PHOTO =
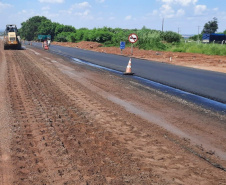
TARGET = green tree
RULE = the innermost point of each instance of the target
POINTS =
(59, 28)
(150, 39)
(68, 28)
(79, 34)
(196, 37)
(45, 28)
(29, 29)
(63, 37)
(119, 35)
(211, 26)
(54, 25)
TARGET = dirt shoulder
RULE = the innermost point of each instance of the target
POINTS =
(199, 61)
(5, 121)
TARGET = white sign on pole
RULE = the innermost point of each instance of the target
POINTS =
(133, 38)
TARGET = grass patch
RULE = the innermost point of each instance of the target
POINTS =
(208, 49)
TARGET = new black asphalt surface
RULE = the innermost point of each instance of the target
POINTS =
(208, 84)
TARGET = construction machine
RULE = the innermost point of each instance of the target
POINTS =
(11, 37)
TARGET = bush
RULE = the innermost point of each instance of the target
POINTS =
(72, 37)
(170, 37)
(208, 49)
(194, 49)
(63, 37)
(196, 37)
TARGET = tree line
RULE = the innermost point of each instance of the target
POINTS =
(209, 27)
(148, 38)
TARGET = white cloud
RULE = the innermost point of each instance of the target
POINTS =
(167, 11)
(99, 19)
(111, 18)
(129, 17)
(24, 15)
(45, 8)
(50, 15)
(4, 6)
(29, 12)
(178, 8)
(199, 9)
(85, 13)
(83, 5)
(180, 12)
(62, 12)
(51, 1)
(180, 2)
(78, 9)
(155, 12)
(100, 1)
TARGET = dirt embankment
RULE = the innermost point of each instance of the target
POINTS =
(200, 61)
(63, 123)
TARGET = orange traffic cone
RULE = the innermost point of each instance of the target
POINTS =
(128, 69)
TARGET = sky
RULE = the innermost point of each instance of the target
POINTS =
(181, 16)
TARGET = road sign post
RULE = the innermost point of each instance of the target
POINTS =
(122, 45)
(132, 39)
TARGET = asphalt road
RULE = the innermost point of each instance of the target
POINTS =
(208, 84)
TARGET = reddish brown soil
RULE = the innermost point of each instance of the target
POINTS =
(64, 123)
(201, 61)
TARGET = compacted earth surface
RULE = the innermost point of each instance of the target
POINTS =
(67, 123)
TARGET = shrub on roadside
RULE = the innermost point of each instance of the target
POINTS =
(63, 37)
(170, 37)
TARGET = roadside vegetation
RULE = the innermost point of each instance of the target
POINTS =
(195, 47)
(148, 39)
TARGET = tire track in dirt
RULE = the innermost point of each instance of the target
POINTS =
(44, 156)
(94, 141)
(138, 144)
(65, 133)
(5, 132)
(25, 154)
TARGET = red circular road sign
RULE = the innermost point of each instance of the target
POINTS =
(133, 38)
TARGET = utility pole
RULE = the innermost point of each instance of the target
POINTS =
(178, 30)
(162, 24)
(198, 33)
(198, 29)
